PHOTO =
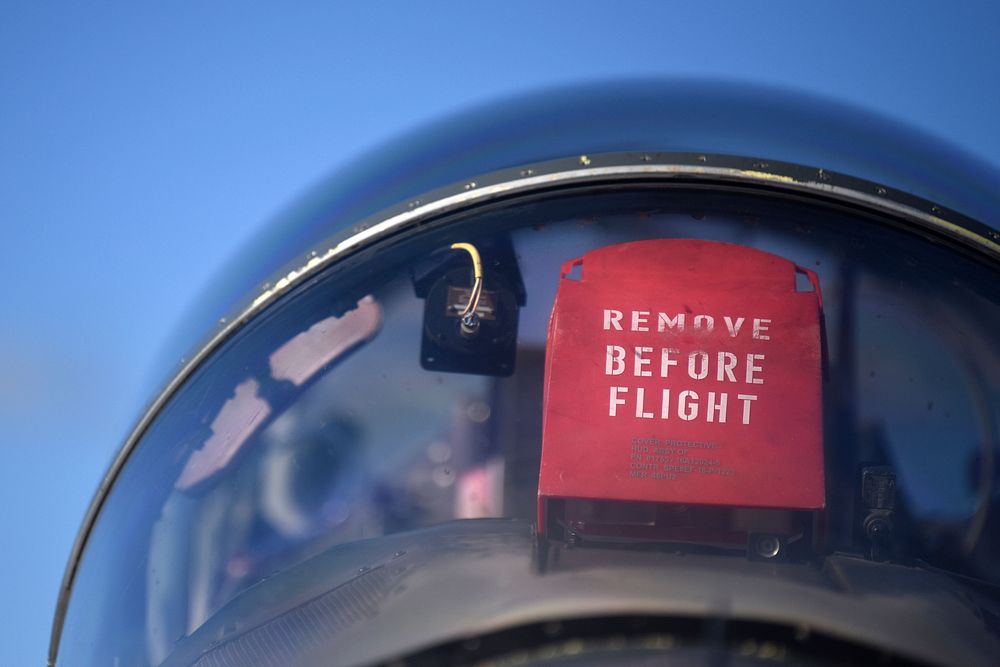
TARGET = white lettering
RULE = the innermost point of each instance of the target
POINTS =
(665, 361)
(752, 368)
(685, 410)
(734, 329)
(640, 361)
(676, 323)
(759, 327)
(615, 362)
(698, 374)
(717, 408)
(687, 407)
(640, 408)
(663, 321)
(727, 362)
(615, 401)
(747, 399)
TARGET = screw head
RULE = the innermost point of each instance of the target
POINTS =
(767, 546)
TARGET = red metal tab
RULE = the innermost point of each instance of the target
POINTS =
(683, 371)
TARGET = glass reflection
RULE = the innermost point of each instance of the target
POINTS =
(316, 427)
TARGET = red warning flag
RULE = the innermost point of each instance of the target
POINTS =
(684, 371)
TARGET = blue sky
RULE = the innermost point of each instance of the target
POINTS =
(140, 145)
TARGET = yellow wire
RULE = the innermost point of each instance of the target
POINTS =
(477, 263)
(477, 271)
